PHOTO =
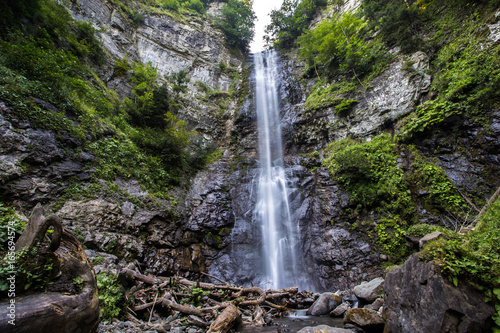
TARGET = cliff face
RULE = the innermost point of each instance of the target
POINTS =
(197, 229)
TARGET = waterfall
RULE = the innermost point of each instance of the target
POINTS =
(281, 255)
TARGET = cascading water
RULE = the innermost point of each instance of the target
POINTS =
(281, 257)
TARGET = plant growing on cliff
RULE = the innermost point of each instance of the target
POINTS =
(290, 21)
(237, 22)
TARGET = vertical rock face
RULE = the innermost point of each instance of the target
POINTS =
(419, 300)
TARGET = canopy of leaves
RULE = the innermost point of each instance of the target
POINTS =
(237, 22)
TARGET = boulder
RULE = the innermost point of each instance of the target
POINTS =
(365, 318)
(429, 237)
(369, 291)
(340, 310)
(323, 329)
(379, 302)
(324, 304)
(419, 300)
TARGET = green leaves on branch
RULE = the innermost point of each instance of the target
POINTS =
(237, 22)
(336, 46)
(290, 21)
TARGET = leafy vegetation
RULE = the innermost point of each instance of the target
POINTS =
(337, 46)
(290, 21)
(139, 137)
(33, 269)
(237, 22)
(111, 296)
(473, 257)
(373, 175)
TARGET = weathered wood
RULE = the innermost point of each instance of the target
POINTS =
(181, 308)
(228, 319)
(58, 312)
(37, 228)
(260, 300)
(139, 276)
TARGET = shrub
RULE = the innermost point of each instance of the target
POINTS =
(237, 22)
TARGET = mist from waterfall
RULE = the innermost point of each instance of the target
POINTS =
(281, 251)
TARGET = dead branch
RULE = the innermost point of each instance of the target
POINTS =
(139, 276)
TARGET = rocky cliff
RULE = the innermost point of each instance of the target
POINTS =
(206, 226)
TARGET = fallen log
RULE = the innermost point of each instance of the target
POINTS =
(228, 319)
(58, 311)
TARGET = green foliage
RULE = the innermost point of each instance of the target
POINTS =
(370, 173)
(237, 22)
(110, 296)
(337, 46)
(197, 6)
(326, 95)
(291, 20)
(473, 257)
(390, 237)
(431, 179)
(172, 5)
(345, 107)
(420, 230)
(122, 67)
(13, 12)
(11, 225)
(78, 283)
(34, 270)
(398, 21)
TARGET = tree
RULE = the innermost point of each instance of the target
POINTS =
(291, 20)
(237, 23)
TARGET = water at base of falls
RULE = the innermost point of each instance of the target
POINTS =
(281, 250)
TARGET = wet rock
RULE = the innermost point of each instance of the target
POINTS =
(365, 318)
(369, 291)
(323, 329)
(419, 300)
(324, 304)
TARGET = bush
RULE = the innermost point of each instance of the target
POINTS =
(237, 23)
(197, 6)
(173, 5)
(291, 20)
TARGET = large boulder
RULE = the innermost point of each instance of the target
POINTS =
(369, 291)
(324, 304)
(419, 300)
(366, 318)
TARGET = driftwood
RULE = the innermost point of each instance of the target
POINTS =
(228, 319)
(220, 304)
(55, 311)
(37, 228)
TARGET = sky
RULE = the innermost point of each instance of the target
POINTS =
(262, 8)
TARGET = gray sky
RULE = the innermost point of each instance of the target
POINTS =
(262, 8)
